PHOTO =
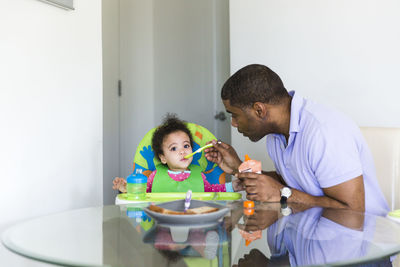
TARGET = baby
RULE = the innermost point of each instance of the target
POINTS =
(171, 142)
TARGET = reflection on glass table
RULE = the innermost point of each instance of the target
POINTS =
(318, 236)
(270, 235)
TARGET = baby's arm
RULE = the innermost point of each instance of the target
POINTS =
(216, 187)
(119, 184)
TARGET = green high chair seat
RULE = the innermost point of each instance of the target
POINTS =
(146, 160)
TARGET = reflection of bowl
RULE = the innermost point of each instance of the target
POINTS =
(199, 240)
(192, 219)
(179, 233)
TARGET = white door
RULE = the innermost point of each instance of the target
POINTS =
(174, 57)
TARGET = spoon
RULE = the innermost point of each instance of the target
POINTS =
(198, 150)
(188, 198)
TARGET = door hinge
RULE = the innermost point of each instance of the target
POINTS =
(119, 88)
(220, 116)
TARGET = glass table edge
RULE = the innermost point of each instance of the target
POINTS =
(5, 240)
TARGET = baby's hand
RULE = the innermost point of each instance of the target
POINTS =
(119, 184)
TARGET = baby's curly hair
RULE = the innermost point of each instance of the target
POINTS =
(171, 124)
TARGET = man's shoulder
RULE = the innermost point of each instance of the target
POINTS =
(324, 119)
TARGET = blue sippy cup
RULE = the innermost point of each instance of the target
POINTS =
(136, 186)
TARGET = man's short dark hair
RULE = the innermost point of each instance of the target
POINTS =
(254, 83)
(171, 124)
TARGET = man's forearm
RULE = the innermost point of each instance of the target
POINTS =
(276, 176)
(353, 199)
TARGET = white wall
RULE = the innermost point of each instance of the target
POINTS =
(50, 111)
(344, 53)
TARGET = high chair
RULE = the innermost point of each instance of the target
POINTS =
(146, 161)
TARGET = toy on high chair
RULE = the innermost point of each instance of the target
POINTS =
(146, 161)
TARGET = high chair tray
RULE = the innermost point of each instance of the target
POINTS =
(163, 197)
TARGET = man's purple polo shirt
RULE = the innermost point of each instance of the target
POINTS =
(324, 149)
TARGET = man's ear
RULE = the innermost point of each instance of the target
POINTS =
(163, 159)
(260, 109)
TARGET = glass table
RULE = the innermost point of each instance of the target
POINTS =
(268, 235)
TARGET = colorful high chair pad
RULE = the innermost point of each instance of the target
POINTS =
(146, 160)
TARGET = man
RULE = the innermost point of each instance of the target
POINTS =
(320, 155)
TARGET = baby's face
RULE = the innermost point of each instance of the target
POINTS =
(175, 146)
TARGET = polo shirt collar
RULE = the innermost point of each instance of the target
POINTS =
(295, 112)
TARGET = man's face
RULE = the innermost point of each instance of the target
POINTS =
(246, 121)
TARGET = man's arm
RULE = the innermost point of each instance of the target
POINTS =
(349, 194)
(276, 176)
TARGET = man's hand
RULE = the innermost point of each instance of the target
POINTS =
(261, 187)
(231, 221)
(224, 155)
(261, 219)
(255, 258)
(237, 185)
